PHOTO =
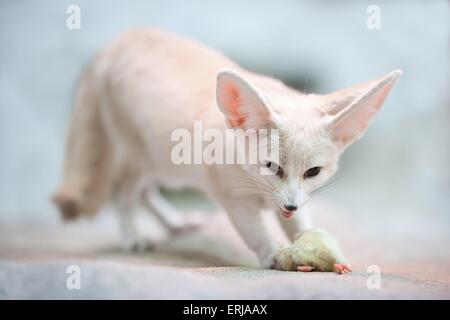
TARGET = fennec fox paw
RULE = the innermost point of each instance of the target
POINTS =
(314, 250)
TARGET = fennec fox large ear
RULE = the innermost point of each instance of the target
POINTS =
(348, 112)
(241, 103)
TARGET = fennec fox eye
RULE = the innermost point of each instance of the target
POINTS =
(312, 172)
(275, 168)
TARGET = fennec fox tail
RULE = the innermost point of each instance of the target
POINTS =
(86, 170)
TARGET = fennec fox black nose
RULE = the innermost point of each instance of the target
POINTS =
(290, 207)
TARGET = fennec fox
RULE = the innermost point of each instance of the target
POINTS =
(148, 83)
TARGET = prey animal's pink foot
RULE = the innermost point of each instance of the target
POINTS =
(305, 268)
(341, 268)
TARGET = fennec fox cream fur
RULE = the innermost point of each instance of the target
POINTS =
(148, 83)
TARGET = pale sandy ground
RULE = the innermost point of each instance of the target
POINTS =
(210, 263)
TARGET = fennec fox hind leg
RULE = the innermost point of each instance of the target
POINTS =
(133, 191)
(130, 195)
(132, 241)
(128, 192)
(165, 212)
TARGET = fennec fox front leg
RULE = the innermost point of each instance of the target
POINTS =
(246, 217)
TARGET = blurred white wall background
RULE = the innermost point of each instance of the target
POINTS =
(398, 173)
